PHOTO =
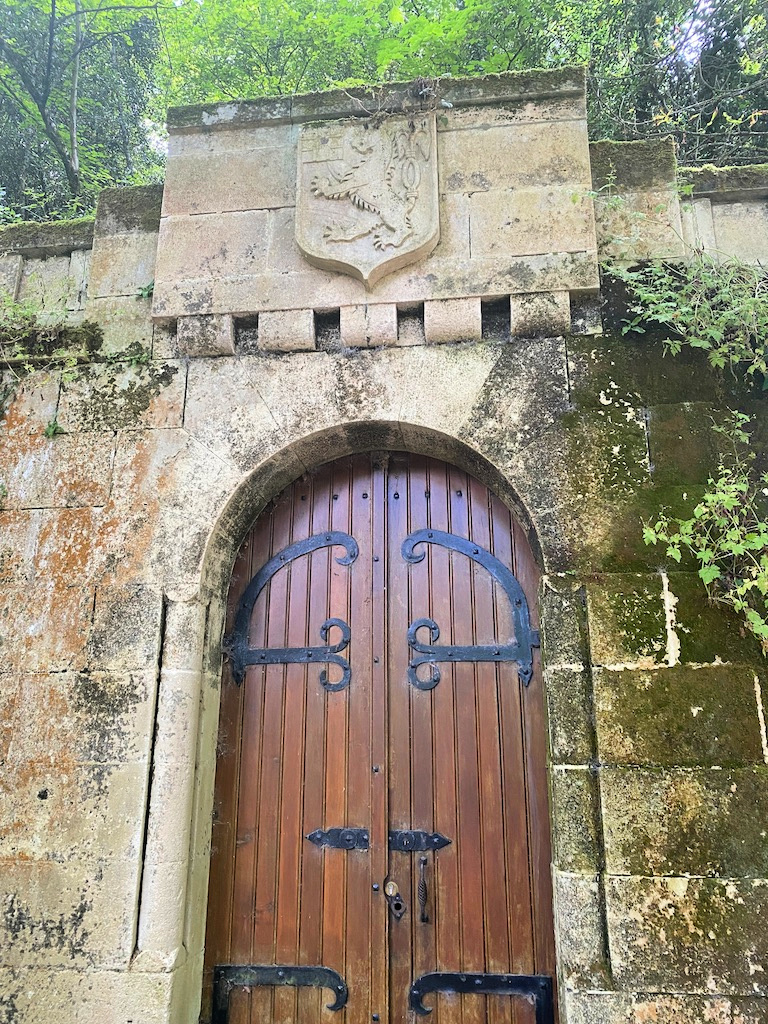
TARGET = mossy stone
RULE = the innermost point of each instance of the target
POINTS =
(575, 820)
(679, 716)
(709, 631)
(725, 182)
(631, 166)
(570, 716)
(121, 210)
(627, 621)
(685, 821)
(50, 238)
(684, 447)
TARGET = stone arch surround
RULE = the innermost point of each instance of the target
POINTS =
(385, 400)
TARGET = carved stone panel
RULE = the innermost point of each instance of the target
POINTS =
(367, 200)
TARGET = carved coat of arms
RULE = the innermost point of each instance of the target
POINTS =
(367, 200)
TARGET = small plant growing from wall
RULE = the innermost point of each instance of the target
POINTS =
(29, 341)
(727, 533)
(720, 306)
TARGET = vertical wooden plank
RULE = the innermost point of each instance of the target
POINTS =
(398, 618)
(300, 630)
(495, 890)
(534, 719)
(446, 861)
(310, 935)
(379, 742)
(516, 840)
(422, 743)
(470, 853)
(359, 951)
(268, 838)
(336, 763)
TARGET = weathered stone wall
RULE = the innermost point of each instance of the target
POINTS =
(118, 532)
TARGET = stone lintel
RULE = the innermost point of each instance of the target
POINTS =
(206, 336)
(287, 330)
(452, 320)
(395, 97)
(540, 314)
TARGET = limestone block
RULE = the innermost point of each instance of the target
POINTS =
(586, 313)
(197, 249)
(627, 620)
(10, 275)
(110, 397)
(166, 485)
(580, 931)
(226, 410)
(381, 324)
(69, 471)
(126, 631)
(58, 587)
(515, 156)
(249, 169)
(574, 820)
(92, 717)
(123, 263)
(707, 633)
(46, 283)
(678, 716)
(698, 225)
(353, 326)
(741, 230)
(168, 831)
(510, 406)
(544, 314)
(628, 1008)
(177, 715)
(125, 324)
(640, 226)
(183, 635)
(79, 274)
(750, 1011)
(452, 320)
(205, 336)
(164, 341)
(569, 701)
(563, 623)
(30, 406)
(73, 811)
(287, 331)
(69, 915)
(685, 822)
(694, 934)
(454, 230)
(368, 326)
(529, 222)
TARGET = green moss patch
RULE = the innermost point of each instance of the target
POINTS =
(51, 238)
(120, 210)
(678, 716)
(707, 630)
(633, 165)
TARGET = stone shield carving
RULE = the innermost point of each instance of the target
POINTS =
(367, 200)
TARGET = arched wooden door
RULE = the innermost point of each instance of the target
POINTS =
(381, 835)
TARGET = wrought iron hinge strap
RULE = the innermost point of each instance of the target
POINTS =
(340, 838)
(538, 986)
(409, 841)
(236, 643)
(229, 976)
(518, 650)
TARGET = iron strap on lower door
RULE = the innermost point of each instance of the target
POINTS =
(229, 976)
(539, 986)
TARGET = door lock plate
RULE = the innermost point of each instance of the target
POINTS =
(410, 840)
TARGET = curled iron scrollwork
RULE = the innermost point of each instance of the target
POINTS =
(518, 650)
(236, 643)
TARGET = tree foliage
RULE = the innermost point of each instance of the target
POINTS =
(77, 78)
(697, 69)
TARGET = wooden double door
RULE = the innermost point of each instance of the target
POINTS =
(381, 837)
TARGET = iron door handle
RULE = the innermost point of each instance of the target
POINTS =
(423, 892)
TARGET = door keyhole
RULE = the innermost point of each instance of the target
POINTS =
(396, 902)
